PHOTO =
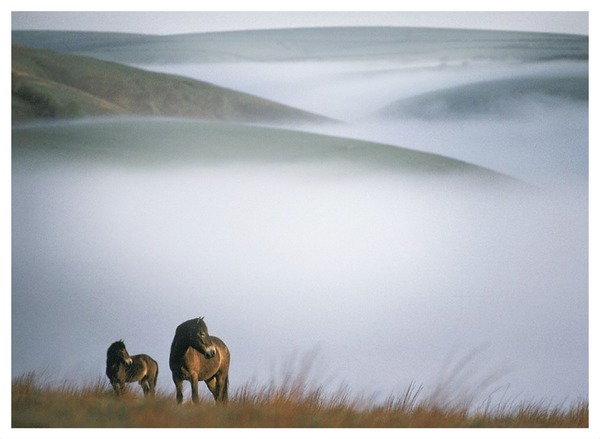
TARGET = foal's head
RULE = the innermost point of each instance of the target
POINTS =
(118, 352)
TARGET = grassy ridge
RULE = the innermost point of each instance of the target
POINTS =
(48, 84)
(290, 405)
(159, 143)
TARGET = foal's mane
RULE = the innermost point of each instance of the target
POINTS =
(116, 346)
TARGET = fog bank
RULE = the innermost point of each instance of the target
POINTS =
(374, 272)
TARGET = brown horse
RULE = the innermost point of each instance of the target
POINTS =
(122, 368)
(197, 356)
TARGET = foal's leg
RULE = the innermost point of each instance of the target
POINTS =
(116, 387)
(151, 385)
(145, 385)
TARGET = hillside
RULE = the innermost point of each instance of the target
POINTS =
(366, 43)
(501, 97)
(141, 143)
(47, 84)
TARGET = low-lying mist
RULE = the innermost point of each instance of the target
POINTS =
(538, 135)
(385, 279)
(351, 90)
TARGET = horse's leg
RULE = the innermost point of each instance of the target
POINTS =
(145, 380)
(154, 380)
(145, 385)
(150, 384)
(116, 387)
(218, 387)
(212, 385)
(224, 387)
(178, 389)
(194, 382)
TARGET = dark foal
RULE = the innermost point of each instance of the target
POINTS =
(121, 368)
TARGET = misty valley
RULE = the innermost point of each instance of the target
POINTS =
(393, 199)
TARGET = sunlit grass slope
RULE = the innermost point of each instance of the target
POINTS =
(291, 405)
(48, 84)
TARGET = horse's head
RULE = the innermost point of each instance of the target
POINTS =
(199, 338)
(117, 351)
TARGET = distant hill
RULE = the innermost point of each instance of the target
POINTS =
(48, 84)
(508, 96)
(365, 43)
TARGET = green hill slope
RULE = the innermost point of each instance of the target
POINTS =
(48, 84)
(149, 143)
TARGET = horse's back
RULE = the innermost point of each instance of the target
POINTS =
(150, 363)
(147, 358)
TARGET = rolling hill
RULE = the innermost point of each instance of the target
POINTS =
(140, 143)
(501, 97)
(47, 84)
(337, 43)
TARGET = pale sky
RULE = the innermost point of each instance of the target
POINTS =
(170, 22)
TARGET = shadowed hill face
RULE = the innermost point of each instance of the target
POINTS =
(50, 84)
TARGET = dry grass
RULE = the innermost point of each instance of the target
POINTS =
(290, 404)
